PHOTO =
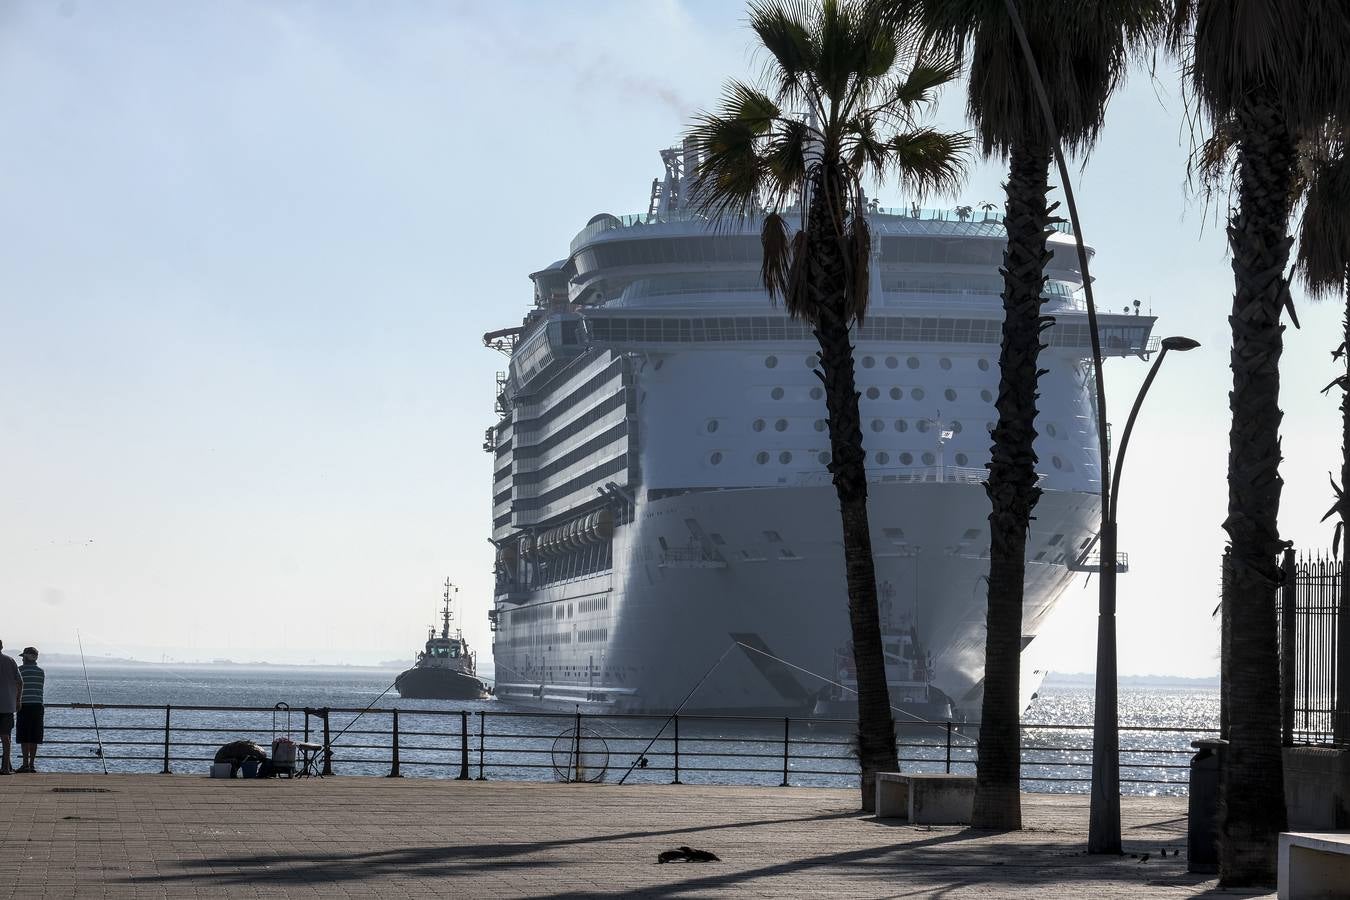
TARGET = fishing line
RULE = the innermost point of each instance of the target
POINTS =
(363, 712)
(90, 691)
(671, 717)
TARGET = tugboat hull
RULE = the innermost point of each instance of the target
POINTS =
(421, 683)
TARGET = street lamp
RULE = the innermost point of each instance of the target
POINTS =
(1104, 818)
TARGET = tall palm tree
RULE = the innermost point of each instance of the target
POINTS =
(1081, 50)
(1322, 263)
(1266, 71)
(844, 105)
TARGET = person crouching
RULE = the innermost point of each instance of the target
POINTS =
(29, 730)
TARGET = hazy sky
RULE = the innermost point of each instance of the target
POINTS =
(247, 250)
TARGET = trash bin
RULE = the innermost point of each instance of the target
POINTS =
(1202, 824)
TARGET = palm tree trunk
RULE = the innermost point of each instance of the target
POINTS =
(1252, 811)
(1012, 488)
(826, 274)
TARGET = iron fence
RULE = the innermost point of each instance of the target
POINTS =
(510, 744)
(1313, 693)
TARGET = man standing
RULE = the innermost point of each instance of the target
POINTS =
(11, 686)
(29, 730)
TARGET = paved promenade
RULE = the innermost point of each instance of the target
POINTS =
(181, 836)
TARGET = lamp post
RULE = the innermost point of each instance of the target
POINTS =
(1104, 818)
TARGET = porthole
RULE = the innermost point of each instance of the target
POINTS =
(901, 425)
(869, 362)
(780, 425)
(916, 394)
(821, 424)
(823, 457)
(892, 362)
(776, 393)
(1051, 430)
(984, 365)
(817, 393)
(897, 393)
(912, 362)
(883, 458)
(906, 459)
(929, 459)
(878, 425)
(962, 459)
(811, 362)
(945, 363)
(1057, 462)
(957, 427)
(711, 426)
(949, 394)
(770, 362)
(922, 425)
(758, 425)
(987, 396)
(873, 393)
(761, 457)
(785, 457)
(715, 458)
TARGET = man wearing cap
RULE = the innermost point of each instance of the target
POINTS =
(29, 730)
(11, 686)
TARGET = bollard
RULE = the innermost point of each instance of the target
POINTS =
(166, 771)
(1202, 822)
(393, 771)
(787, 725)
(463, 746)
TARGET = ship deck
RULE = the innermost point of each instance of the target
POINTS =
(182, 836)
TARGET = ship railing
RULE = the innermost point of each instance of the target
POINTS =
(909, 475)
(486, 740)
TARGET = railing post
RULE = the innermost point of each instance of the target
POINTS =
(482, 726)
(576, 746)
(327, 748)
(393, 771)
(949, 746)
(1288, 641)
(787, 726)
(676, 719)
(463, 745)
(165, 770)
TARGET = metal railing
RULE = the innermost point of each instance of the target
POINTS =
(1310, 655)
(522, 745)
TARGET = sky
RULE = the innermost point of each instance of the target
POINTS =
(247, 250)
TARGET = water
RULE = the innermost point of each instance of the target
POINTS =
(497, 741)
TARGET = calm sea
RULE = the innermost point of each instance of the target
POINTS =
(438, 738)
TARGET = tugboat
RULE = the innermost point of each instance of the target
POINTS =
(445, 670)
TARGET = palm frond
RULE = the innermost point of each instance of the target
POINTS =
(1323, 255)
(750, 106)
(729, 173)
(864, 151)
(798, 300)
(923, 79)
(931, 161)
(859, 255)
(777, 262)
(784, 28)
(784, 159)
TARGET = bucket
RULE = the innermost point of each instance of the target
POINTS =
(249, 768)
(220, 770)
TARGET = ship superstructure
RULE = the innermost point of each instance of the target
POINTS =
(660, 485)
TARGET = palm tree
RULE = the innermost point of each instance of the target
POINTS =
(1081, 51)
(1323, 265)
(987, 207)
(863, 97)
(1266, 71)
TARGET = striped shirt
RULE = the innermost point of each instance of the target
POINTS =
(33, 679)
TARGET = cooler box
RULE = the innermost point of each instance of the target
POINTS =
(220, 770)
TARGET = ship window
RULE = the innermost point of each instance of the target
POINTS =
(892, 362)
(945, 363)
(770, 362)
(916, 394)
(817, 393)
(922, 425)
(928, 459)
(1057, 462)
(773, 537)
(820, 424)
(883, 458)
(758, 425)
(949, 394)
(901, 425)
(868, 362)
(912, 362)
(873, 393)
(761, 457)
(810, 362)
(897, 393)
(1055, 540)
(1051, 430)
(962, 459)
(715, 458)
(1084, 544)
(987, 396)
(711, 426)
(823, 457)
(984, 365)
(878, 425)
(906, 459)
(780, 425)
(776, 393)
(957, 427)
(1040, 556)
(785, 457)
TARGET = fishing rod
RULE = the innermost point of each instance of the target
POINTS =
(92, 711)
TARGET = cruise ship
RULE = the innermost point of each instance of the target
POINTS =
(666, 531)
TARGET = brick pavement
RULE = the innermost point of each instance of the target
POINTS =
(180, 836)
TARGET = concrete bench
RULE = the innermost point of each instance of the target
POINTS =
(925, 799)
(1314, 864)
